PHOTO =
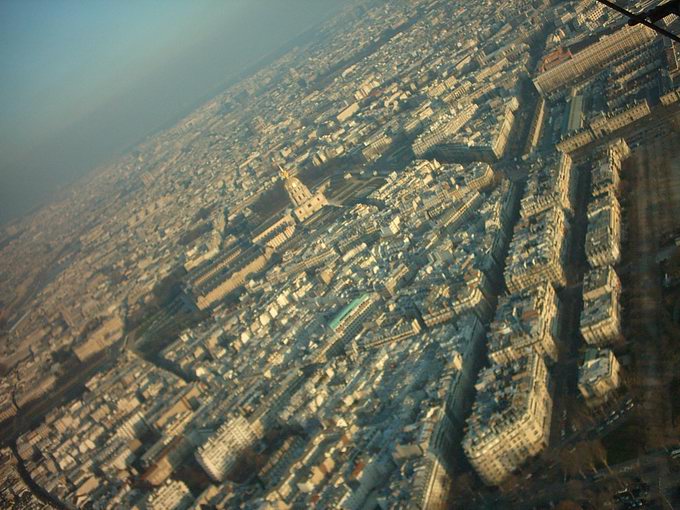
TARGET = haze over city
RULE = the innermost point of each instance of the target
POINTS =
(354, 255)
(83, 81)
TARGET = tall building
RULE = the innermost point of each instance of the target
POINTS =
(601, 319)
(525, 321)
(429, 451)
(510, 419)
(174, 495)
(550, 186)
(599, 376)
(600, 281)
(603, 237)
(305, 203)
(219, 454)
(537, 251)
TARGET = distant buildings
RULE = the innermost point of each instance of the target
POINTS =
(104, 429)
(338, 352)
(276, 232)
(210, 283)
(14, 493)
(162, 459)
(347, 323)
(348, 112)
(348, 320)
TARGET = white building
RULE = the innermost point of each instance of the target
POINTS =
(510, 419)
(219, 454)
(599, 376)
(525, 321)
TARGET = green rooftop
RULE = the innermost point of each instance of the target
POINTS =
(347, 309)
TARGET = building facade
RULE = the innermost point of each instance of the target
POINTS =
(510, 419)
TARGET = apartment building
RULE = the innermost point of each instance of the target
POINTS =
(510, 419)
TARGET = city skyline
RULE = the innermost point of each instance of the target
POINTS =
(85, 83)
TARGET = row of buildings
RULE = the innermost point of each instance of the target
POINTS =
(511, 416)
(601, 316)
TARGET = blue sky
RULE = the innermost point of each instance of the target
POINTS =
(83, 79)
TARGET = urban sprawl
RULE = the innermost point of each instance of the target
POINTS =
(347, 281)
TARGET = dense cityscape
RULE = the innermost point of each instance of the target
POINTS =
(427, 258)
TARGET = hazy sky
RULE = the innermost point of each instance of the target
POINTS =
(83, 79)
